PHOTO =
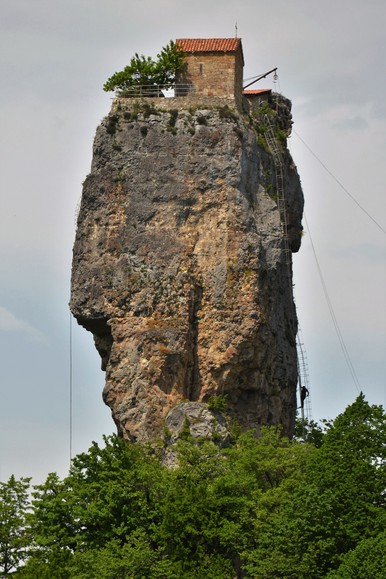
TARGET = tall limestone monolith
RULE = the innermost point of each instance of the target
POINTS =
(179, 265)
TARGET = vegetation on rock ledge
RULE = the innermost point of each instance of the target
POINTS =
(144, 71)
(266, 507)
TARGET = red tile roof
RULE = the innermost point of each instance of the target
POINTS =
(208, 44)
(256, 91)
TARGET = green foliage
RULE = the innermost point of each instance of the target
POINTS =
(262, 119)
(366, 561)
(339, 503)
(185, 431)
(263, 507)
(309, 431)
(349, 471)
(14, 532)
(219, 402)
(281, 136)
(108, 498)
(143, 71)
(265, 109)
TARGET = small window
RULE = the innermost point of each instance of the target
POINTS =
(201, 68)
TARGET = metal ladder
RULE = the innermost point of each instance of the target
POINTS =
(303, 380)
(281, 202)
(303, 374)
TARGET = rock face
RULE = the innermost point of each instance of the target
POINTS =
(196, 421)
(180, 269)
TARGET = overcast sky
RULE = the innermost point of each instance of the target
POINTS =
(55, 56)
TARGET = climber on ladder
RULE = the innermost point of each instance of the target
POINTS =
(303, 395)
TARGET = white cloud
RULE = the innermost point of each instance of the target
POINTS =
(10, 323)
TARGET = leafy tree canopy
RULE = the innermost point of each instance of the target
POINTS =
(263, 507)
(366, 561)
(310, 431)
(340, 501)
(14, 532)
(144, 71)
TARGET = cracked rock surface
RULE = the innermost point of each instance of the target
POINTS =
(180, 269)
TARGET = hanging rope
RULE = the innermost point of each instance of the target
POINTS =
(329, 303)
(340, 184)
(70, 390)
(332, 314)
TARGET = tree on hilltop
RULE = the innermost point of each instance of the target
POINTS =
(144, 71)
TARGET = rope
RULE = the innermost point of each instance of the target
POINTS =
(328, 300)
(332, 314)
(341, 185)
(70, 390)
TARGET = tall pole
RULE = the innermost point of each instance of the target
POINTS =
(259, 78)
